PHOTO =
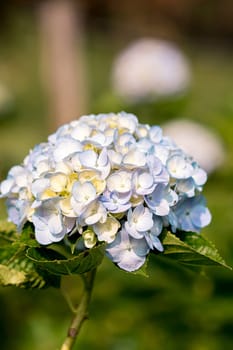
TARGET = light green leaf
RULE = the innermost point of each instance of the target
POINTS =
(7, 232)
(191, 249)
(15, 268)
(9, 277)
(58, 264)
(6, 226)
(27, 237)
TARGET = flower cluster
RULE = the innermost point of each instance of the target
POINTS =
(110, 179)
(160, 67)
(205, 146)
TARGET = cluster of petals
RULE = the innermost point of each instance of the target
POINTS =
(110, 179)
(160, 66)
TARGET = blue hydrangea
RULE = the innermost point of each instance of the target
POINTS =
(127, 252)
(110, 179)
(192, 214)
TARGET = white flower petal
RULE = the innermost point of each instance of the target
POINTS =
(66, 147)
(134, 158)
(88, 159)
(107, 231)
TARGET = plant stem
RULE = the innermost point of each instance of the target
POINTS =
(81, 313)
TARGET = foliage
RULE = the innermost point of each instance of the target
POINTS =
(24, 263)
(164, 311)
(15, 268)
(192, 250)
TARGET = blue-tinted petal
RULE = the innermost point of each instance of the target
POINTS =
(200, 216)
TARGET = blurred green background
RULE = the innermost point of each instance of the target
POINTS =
(171, 309)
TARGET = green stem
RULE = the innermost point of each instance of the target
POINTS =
(81, 313)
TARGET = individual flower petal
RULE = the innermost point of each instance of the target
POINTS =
(115, 158)
(143, 182)
(58, 182)
(157, 169)
(199, 176)
(107, 231)
(39, 186)
(66, 147)
(127, 121)
(83, 192)
(123, 143)
(66, 207)
(160, 200)
(6, 186)
(142, 130)
(120, 182)
(134, 158)
(88, 158)
(128, 253)
(192, 214)
(152, 234)
(155, 134)
(179, 167)
(138, 221)
(116, 202)
(81, 131)
(19, 211)
(186, 187)
(93, 213)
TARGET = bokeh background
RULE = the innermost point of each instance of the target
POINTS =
(56, 63)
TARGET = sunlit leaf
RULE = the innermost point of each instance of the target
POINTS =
(191, 249)
(9, 276)
(7, 232)
(15, 268)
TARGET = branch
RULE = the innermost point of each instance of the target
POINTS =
(81, 313)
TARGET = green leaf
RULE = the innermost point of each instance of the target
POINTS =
(57, 264)
(143, 271)
(15, 268)
(9, 276)
(191, 249)
(27, 237)
(7, 232)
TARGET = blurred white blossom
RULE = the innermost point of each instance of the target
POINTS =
(149, 69)
(198, 141)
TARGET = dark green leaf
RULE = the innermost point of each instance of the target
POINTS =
(15, 268)
(191, 249)
(57, 264)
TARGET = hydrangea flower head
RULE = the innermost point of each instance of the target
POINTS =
(150, 68)
(109, 179)
(199, 141)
